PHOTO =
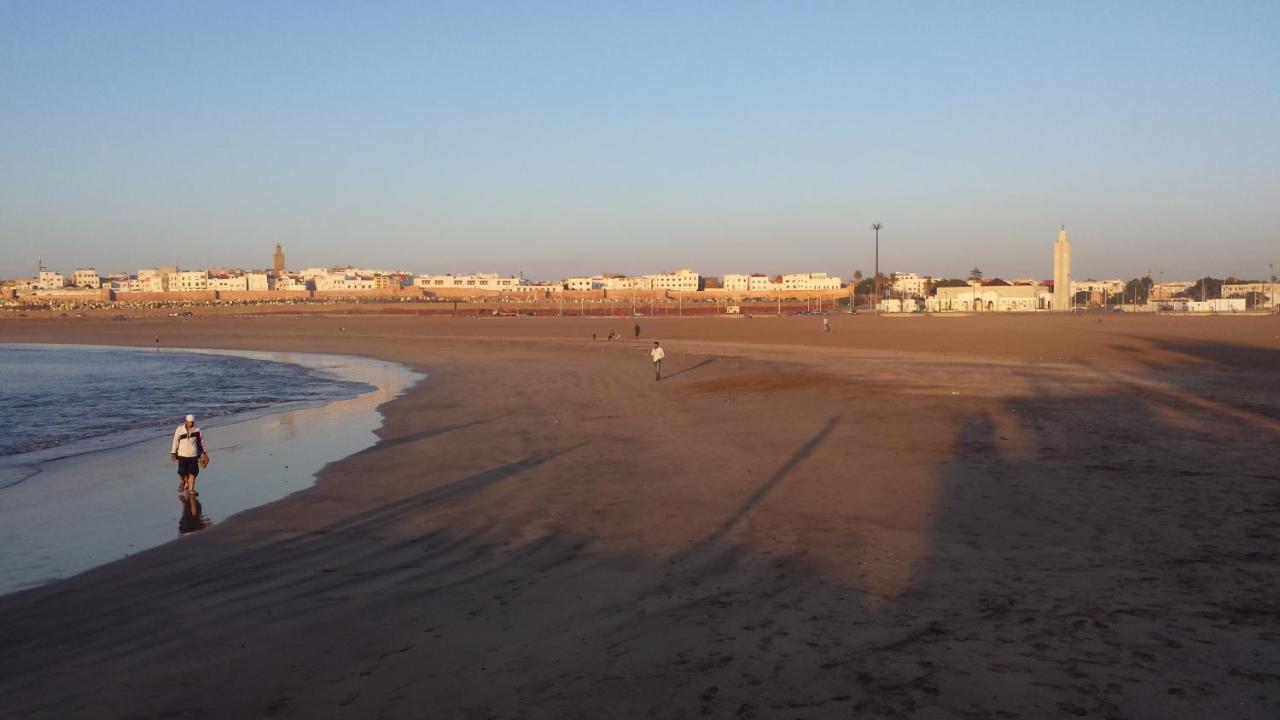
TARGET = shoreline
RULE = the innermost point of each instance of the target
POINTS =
(259, 460)
(545, 531)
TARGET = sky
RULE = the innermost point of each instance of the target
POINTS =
(561, 138)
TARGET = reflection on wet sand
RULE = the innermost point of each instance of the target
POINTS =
(193, 518)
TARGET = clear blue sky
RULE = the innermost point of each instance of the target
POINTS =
(567, 138)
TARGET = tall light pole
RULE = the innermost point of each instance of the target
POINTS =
(1272, 268)
(876, 226)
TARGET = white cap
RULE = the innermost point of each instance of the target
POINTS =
(191, 418)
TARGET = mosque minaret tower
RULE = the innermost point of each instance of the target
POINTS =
(1062, 271)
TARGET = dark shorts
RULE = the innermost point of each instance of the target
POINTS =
(188, 466)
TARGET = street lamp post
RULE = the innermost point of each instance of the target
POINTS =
(1272, 268)
(876, 226)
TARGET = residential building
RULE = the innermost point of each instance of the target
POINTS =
(810, 281)
(909, 285)
(346, 282)
(755, 282)
(188, 281)
(287, 283)
(50, 280)
(256, 282)
(1240, 290)
(1169, 290)
(482, 282)
(232, 283)
(86, 278)
(583, 283)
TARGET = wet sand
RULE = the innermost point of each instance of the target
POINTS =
(906, 517)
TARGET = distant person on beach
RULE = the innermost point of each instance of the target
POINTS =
(157, 342)
(637, 331)
(657, 354)
(826, 325)
(190, 452)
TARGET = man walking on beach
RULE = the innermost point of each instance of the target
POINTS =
(637, 331)
(657, 354)
(826, 325)
(188, 450)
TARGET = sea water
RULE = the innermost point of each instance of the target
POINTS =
(88, 432)
(57, 401)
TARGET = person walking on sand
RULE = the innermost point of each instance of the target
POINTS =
(191, 454)
(657, 354)
(826, 325)
(637, 331)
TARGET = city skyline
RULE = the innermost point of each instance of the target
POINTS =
(565, 141)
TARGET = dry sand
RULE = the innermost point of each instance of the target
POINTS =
(906, 517)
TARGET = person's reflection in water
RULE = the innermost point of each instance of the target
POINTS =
(193, 517)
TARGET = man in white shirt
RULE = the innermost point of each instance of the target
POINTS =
(189, 451)
(657, 354)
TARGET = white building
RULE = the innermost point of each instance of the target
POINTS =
(1167, 290)
(1223, 305)
(683, 280)
(483, 282)
(1105, 287)
(188, 281)
(991, 298)
(287, 283)
(342, 282)
(910, 285)
(810, 281)
(50, 280)
(755, 282)
(86, 278)
(1240, 290)
(256, 281)
(234, 283)
(583, 283)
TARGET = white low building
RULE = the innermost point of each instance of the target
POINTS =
(1168, 290)
(810, 281)
(188, 281)
(909, 285)
(1106, 288)
(256, 282)
(50, 280)
(86, 278)
(1222, 305)
(287, 283)
(335, 282)
(1240, 290)
(234, 283)
(682, 280)
(484, 282)
(998, 298)
(753, 283)
(582, 283)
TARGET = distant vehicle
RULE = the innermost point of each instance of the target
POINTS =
(732, 310)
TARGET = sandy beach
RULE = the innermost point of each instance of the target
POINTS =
(934, 517)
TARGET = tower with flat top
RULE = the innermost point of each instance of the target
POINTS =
(1062, 271)
(277, 262)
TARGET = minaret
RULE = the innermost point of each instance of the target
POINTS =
(278, 261)
(1062, 271)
